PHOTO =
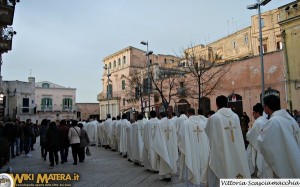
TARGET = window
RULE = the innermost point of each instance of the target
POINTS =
(278, 18)
(234, 44)
(246, 40)
(119, 61)
(123, 84)
(279, 45)
(109, 66)
(25, 108)
(45, 85)
(262, 22)
(145, 86)
(150, 61)
(165, 61)
(124, 59)
(109, 91)
(46, 104)
(67, 104)
(124, 101)
(137, 92)
(172, 61)
(115, 64)
(265, 48)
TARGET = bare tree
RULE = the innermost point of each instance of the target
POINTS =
(134, 86)
(165, 82)
(203, 76)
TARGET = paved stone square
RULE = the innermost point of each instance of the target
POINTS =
(103, 168)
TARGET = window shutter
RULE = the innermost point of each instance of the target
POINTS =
(70, 103)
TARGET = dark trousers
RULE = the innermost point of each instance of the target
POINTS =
(75, 151)
(52, 155)
(81, 154)
(64, 152)
(12, 147)
(44, 151)
(21, 145)
(27, 143)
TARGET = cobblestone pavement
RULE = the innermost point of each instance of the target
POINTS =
(103, 168)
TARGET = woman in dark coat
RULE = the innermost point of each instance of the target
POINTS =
(53, 143)
(84, 141)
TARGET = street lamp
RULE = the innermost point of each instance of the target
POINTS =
(108, 89)
(148, 53)
(257, 6)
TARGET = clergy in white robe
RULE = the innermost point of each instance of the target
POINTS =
(194, 148)
(117, 133)
(107, 131)
(113, 140)
(129, 142)
(255, 159)
(150, 162)
(279, 141)
(92, 131)
(138, 140)
(100, 134)
(227, 150)
(165, 146)
(124, 124)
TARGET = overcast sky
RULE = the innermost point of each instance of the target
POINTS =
(65, 41)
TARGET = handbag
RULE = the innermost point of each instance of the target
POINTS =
(88, 152)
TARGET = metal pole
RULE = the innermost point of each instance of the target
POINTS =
(261, 57)
(108, 91)
(148, 65)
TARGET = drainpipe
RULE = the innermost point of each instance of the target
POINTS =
(288, 79)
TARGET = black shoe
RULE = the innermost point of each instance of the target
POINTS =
(13, 156)
(81, 160)
(167, 179)
(51, 165)
(62, 162)
(75, 163)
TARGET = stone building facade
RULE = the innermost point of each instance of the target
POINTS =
(242, 84)
(290, 29)
(88, 111)
(19, 99)
(54, 102)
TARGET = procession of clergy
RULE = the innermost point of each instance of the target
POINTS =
(207, 149)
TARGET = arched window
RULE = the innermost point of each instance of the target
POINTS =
(124, 59)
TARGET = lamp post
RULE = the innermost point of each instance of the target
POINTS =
(108, 89)
(257, 6)
(148, 53)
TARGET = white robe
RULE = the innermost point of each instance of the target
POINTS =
(279, 143)
(99, 134)
(138, 141)
(165, 146)
(203, 118)
(117, 133)
(148, 154)
(194, 148)
(227, 150)
(255, 159)
(92, 131)
(113, 140)
(124, 124)
(129, 142)
(108, 131)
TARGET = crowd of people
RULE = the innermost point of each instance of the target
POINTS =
(201, 150)
(206, 150)
(19, 137)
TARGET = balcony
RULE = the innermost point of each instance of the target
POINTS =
(7, 10)
(114, 96)
(6, 39)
